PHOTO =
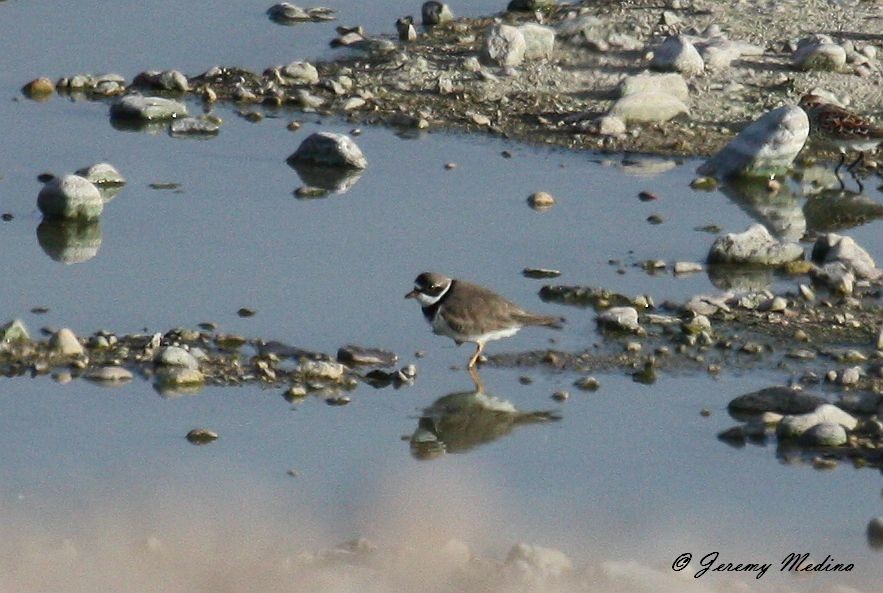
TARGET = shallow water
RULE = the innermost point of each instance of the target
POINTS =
(89, 475)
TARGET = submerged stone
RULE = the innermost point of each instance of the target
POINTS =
(766, 147)
(147, 108)
(352, 355)
(782, 400)
(70, 197)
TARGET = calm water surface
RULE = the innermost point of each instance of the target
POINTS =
(629, 472)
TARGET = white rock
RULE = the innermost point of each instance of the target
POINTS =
(824, 434)
(620, 318)
(677, 54)
(819, 52)
(329, 149)
(539, 41)
(610, 125)
(766, 147)
(70, 197)
(648, 107)
(301, 73)
(147, 108)
(101, 173)
(671, 83)
(796, 425)
(754, 246)
(503, 46)
(65, 343)
(838, 248)
(175, 357)
(110, 375)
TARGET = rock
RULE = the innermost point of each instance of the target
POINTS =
(620, 319)
(102, 174)
(587, 384)
(109, 375)
(69, 241)
(755, 246)
(286, 12)
(147, 108)
(503, 46)
(174, 356)
(782, 400)
(195, 126)
(648, 107)
(837, 248)
(351, 355)
(719, 54)
(331, 150)
(39, 89)
(793, 426)
(405, 29)
(171, 378)
(168, 80)
(14, 332)
(540, 200)
(875, 533)
(849, 376)
(824, 434)
(687, 267)
(64, 342)
(646, 82)
(537, 562)
(764, 148)
(539, 41)
(70, 197)
(435, 13)
(610, 125)
(529, 5)
(836, 276)
(677, 54)
(300, 73)
(819, 52)
(202, 436)
(863, 403)
(318, 369)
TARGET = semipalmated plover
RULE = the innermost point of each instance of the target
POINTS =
(466, 312)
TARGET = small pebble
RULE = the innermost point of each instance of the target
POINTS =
(245, 312)
(201, 436)
(524, 380)
(450, 166)
(561, 396)
(540, 200)
(587, 384)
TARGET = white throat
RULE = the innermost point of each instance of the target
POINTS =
(427, 300)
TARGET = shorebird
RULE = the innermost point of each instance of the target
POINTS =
(467, 312)
(843, 129)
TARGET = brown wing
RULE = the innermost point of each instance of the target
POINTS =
(480, 307)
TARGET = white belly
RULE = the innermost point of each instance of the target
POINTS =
(440, 327)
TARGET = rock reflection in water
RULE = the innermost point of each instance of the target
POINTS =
(336, 180)
(834, 209)
(778, 210)
(69, 242)
(740, 278)
(460, 421)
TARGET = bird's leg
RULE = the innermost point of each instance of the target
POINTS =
(860, 158)
(476, 379)
(474, 359)
(837, 170)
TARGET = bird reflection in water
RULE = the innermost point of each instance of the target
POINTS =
(457, 422)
